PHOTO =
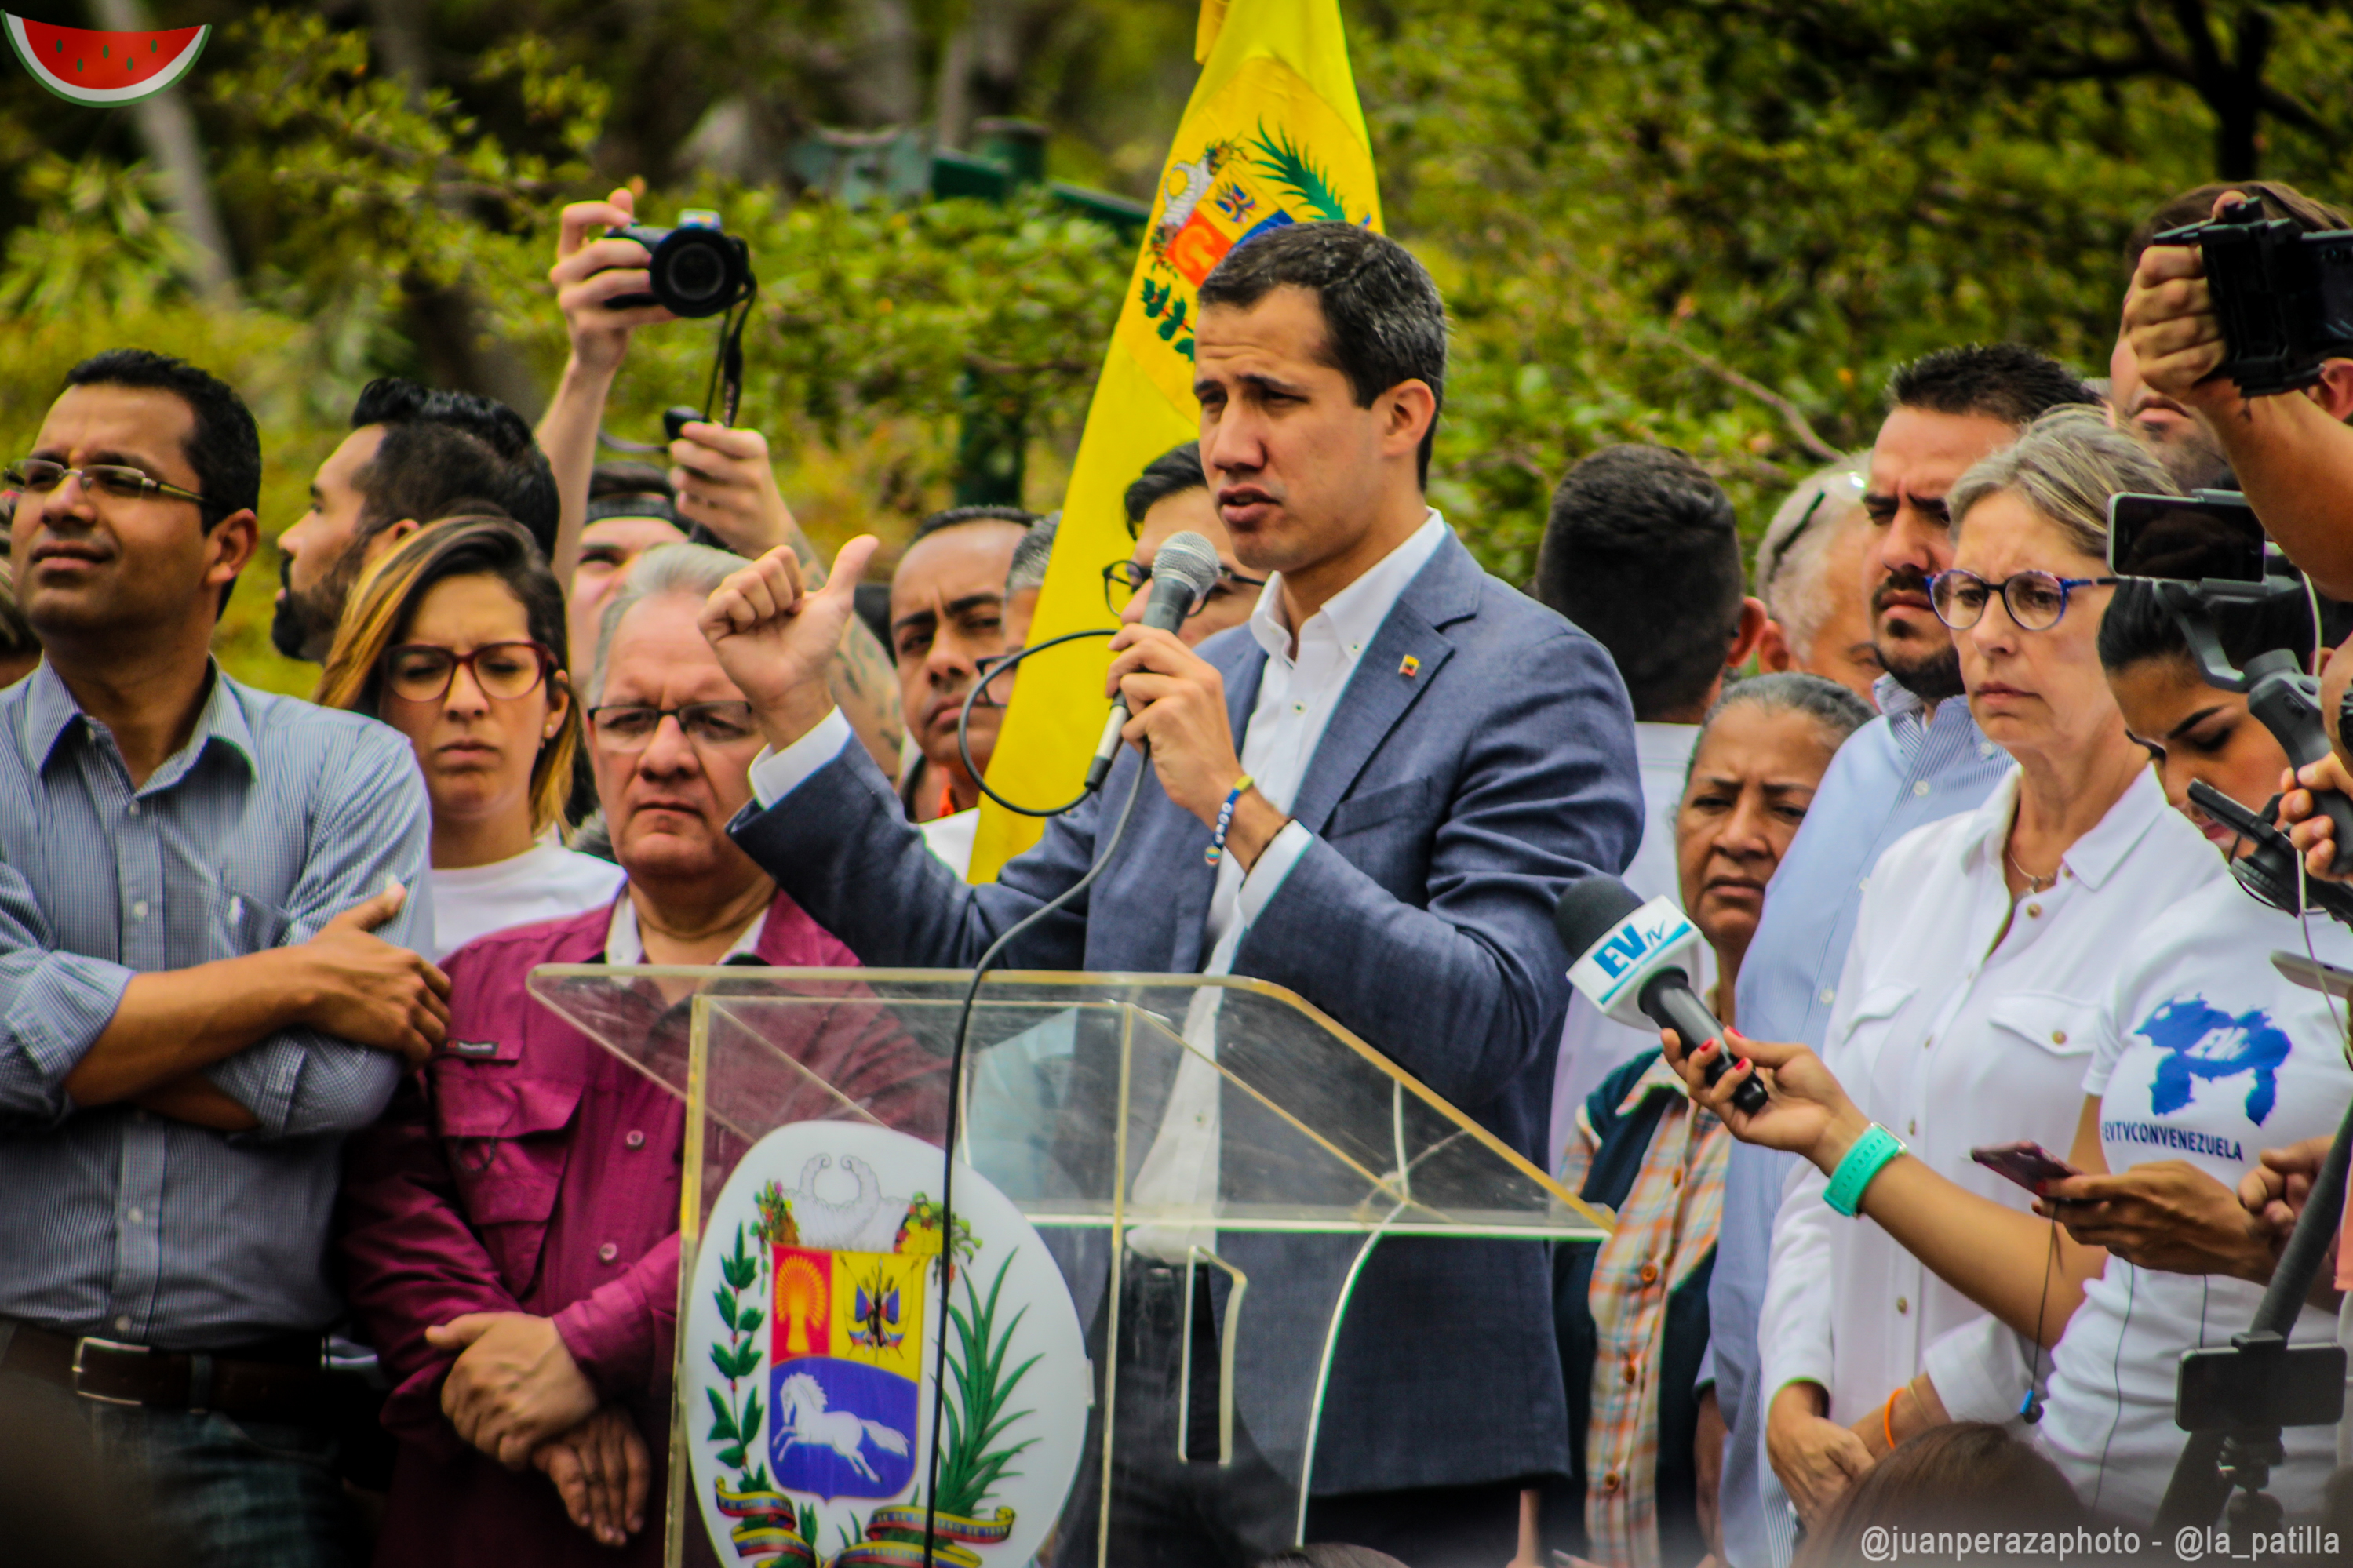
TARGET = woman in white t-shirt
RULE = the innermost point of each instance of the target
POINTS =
(2207, 1056)
(456, 638)
(2201, 1056)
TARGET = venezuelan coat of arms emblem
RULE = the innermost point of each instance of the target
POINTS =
(824, 1283)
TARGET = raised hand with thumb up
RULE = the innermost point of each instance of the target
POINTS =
(774, 636)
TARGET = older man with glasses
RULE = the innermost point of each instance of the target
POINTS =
(511, 1241)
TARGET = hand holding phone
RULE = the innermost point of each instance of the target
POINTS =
(2030, 1164)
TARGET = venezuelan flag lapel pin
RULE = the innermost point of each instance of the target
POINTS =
(1408, 666)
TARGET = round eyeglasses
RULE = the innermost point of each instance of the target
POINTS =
(1123, 580)
(2036, 600)
(422, 671)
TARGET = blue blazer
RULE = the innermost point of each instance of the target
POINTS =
(1449, 810)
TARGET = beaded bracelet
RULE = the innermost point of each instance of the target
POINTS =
(1870, 1155)
(1217, 850)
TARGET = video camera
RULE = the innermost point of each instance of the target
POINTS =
(694, 271)
(2284, 295)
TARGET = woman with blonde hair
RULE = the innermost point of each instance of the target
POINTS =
(1910, 1285)
(457, 640)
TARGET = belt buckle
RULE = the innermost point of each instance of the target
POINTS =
(81, 1348)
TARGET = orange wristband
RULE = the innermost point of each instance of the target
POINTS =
(1887, 1418)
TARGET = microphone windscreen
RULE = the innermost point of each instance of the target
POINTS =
(1190, 558)
(1591, 908)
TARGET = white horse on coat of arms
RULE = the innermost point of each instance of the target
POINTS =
(806, 1419)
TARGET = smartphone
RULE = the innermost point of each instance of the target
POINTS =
(2030, 1165)
(2210, 536)
(2223, 1389)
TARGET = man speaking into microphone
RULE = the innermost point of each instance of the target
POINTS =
(1402, 763)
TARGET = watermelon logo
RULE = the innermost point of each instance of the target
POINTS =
(103, 68)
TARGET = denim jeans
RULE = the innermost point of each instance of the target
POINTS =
(231, 1494)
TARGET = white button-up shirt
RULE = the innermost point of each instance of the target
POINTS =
(1951, 1042)
(1297, 694)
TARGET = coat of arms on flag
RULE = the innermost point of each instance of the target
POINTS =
(1273, 135)
(831, 1299)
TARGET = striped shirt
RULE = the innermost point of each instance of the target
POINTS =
(274, 817)
(1666, 1228)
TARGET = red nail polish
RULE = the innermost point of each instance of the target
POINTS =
(1742, 1064)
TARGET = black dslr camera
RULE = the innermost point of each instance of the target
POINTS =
(2284, 296)
(693, 270)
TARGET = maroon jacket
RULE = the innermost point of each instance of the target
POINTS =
(533, 1171)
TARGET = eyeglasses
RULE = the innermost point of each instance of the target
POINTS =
(2035, 599)
(1123, 580)
(987, 673)
(630, 726)
(422, 671)
(40, 475)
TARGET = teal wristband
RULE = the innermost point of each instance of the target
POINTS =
(1864, 1161)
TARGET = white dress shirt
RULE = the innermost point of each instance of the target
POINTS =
(1952, 1042)
(1299, 690)
(1592, 1044)
(1297, 693)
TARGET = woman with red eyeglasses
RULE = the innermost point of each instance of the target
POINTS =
(457, 639)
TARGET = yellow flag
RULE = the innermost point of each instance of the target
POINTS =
(1273, 135)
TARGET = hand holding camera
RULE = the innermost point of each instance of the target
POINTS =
(724, 482)
(601, 282)
(2175, 335)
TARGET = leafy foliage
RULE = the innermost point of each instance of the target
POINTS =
(1624, 203)
(1712, 223)
(974, 1456)
(735, 1418)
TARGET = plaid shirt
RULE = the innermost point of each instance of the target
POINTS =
(1666, 1228)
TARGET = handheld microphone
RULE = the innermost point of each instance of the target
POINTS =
(1185, 569)
(1635, 961)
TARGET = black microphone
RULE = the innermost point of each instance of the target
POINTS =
(1183, 572)
(1634, 962)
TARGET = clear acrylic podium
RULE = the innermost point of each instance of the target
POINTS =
(1319, 1149)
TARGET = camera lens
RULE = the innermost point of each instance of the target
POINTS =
(696, 273)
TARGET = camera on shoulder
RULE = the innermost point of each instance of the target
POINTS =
(693, 270)
(2284, 295)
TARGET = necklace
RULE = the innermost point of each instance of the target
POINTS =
(2034, 884)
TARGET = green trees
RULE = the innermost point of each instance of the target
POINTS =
(1714, 223)
(1720, 223)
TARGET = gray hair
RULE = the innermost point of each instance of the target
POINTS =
(1791, 558)
(1839, 712)
(2065, 467)
(1029, 556)
(695, 571)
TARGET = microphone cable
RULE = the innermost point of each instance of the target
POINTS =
(2303, 884)
(989, 671)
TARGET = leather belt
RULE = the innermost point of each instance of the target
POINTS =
(280, 1380)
